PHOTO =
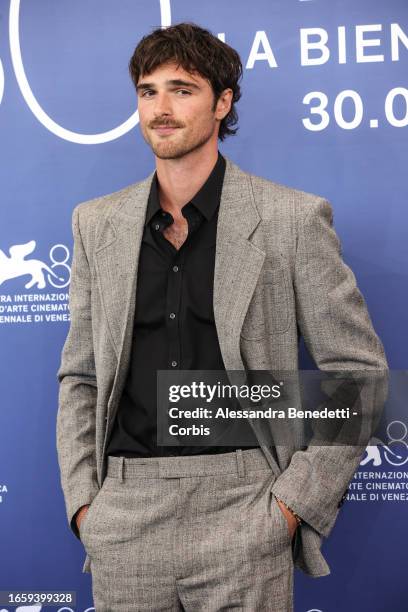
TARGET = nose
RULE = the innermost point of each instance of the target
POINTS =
(162, 105)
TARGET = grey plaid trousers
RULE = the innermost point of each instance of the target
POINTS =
(200, 533)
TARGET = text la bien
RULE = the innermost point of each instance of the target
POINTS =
(361, 44)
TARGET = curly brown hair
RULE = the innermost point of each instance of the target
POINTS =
(196, 50)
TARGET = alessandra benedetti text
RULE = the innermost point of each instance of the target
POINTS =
(268, 413)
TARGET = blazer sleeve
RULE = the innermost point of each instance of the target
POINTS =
(75, 428)
(336, 326)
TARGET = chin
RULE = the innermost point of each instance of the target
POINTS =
(170, 151)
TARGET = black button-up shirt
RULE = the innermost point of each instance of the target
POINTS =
(174, 325)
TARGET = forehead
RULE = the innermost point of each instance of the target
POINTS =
(171, 71)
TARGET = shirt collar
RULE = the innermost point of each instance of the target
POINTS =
(206, 200)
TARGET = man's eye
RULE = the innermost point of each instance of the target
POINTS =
(147, 91)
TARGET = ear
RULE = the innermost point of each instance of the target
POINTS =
(224, 103)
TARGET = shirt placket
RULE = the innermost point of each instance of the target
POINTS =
(173, 309)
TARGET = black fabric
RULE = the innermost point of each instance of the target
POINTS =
(171, 282)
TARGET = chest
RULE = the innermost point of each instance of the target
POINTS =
(177, 232)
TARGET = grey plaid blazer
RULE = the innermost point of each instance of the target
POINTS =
(270, 238)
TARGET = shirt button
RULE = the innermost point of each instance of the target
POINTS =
(172, 315)
(174, 364)
(157, 227)
(175, 268)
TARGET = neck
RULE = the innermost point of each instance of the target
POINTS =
(180, 179)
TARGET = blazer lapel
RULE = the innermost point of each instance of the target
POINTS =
(117, 258)
(238, 262)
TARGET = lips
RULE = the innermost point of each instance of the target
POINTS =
(165, 129)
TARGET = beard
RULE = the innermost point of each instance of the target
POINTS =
(176, 149)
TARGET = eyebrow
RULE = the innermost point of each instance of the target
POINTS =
(172, 82)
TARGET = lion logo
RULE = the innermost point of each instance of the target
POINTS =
(374, 455)
(16, 265)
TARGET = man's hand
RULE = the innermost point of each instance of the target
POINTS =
(292, 522)
(80, 515)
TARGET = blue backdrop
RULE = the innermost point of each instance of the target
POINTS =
(324, 109)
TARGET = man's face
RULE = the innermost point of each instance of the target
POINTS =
(172, 97)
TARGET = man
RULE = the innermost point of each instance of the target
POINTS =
(200, 266)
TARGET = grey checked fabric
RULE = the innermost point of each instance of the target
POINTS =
(196, 533)
(278, 272)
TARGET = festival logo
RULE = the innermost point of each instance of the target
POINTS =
(379, 452)
(16, 265)
(381, 477)
(51, 305)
